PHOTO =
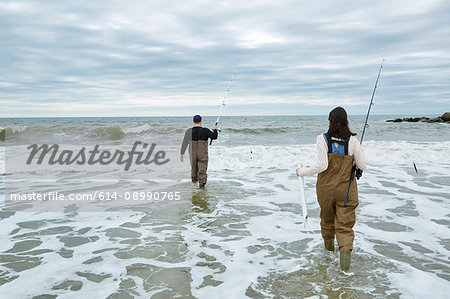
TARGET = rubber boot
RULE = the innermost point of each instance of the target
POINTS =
(345, 257)
(329, 246)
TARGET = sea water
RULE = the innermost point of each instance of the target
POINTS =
(243, 235)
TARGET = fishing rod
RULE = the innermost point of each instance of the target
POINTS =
(223, 100)
(356, 172)
(366, 125)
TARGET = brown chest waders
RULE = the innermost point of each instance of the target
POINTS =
(199, 161)
(331, 188)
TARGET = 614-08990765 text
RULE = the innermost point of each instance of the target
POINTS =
(97, 195)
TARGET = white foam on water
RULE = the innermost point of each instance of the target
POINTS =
(391, 183)
(58, 269)
(266, 232)
(15, 129)
(288, 156)
(419, 284)
(137, 129)
(252, 231)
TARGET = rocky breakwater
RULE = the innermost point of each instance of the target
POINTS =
(445, 118)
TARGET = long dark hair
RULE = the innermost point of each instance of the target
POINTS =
(339, 124)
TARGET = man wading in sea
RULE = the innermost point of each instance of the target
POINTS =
(338, 150)
(197, 139)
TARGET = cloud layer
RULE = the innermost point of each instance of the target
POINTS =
(66, 58)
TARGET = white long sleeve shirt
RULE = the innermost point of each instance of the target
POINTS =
(354, 149)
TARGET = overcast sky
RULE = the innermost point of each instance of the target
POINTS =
(137, 58)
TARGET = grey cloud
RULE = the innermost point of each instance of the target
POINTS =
(116, 53)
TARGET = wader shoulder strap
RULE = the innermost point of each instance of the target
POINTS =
(346, 146)
(329, 144)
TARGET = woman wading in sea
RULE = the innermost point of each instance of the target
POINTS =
(338, 150)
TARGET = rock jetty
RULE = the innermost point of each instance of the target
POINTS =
(440, 119)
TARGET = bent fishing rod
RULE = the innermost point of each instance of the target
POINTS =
(356, 172)
(223, 100)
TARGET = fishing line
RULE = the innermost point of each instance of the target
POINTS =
(222, 104)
